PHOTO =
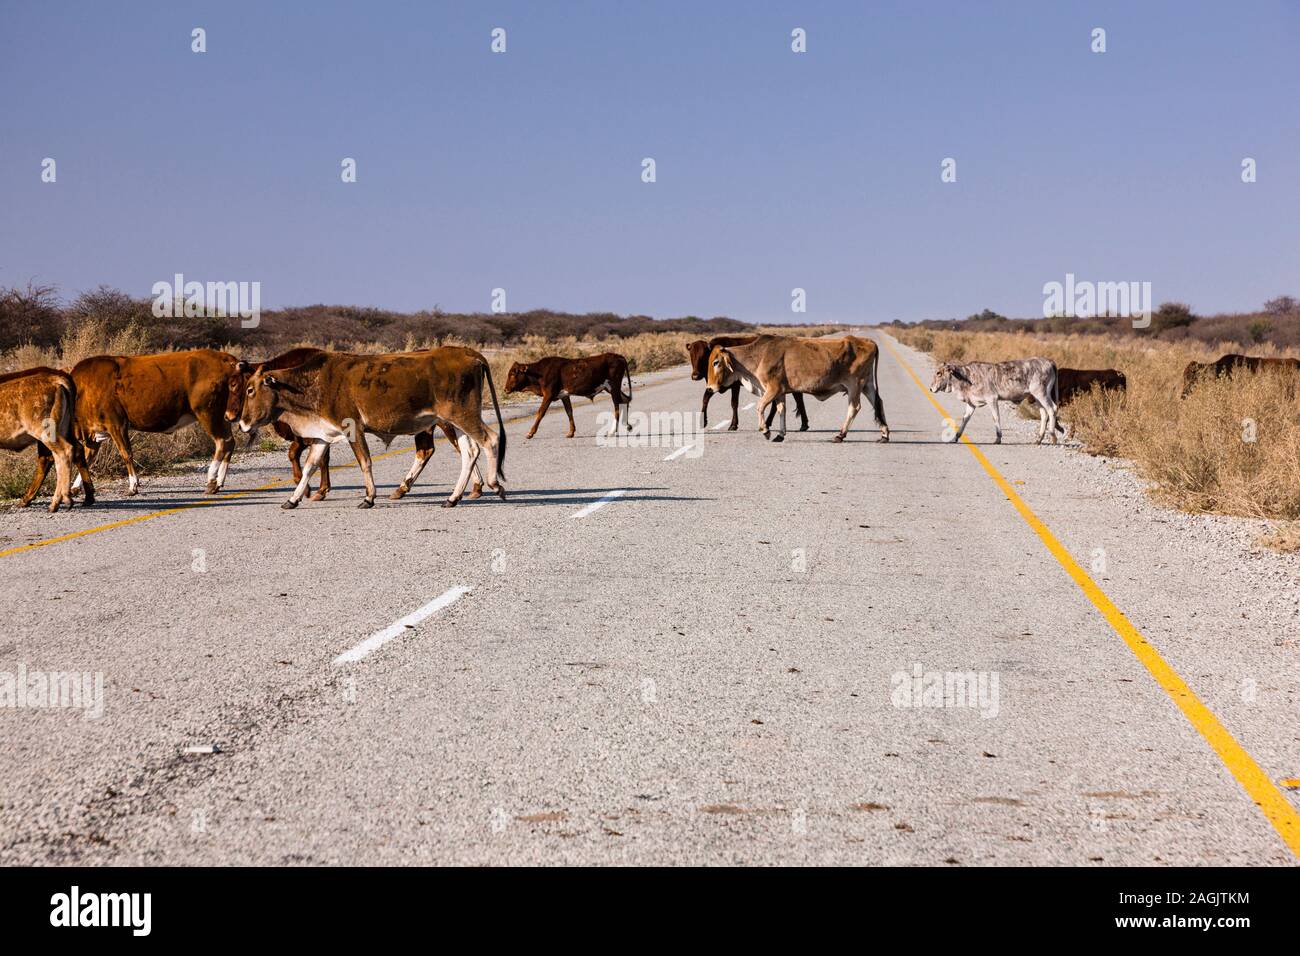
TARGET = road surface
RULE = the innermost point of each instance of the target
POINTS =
(650, 655)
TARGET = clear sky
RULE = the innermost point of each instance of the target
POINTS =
(775, 170)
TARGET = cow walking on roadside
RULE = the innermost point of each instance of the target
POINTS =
(1226, 365)
(987, 383)
(118, 394)
(699, 352)
(335, 396)
(1071, 382)
(36, 408)
(558, 377)
(774, 365)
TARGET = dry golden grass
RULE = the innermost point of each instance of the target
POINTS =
(1231, 447)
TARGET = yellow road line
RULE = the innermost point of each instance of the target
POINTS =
(1270, 800)
(201, 502)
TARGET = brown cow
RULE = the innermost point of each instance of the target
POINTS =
(36, 408)
(336, 395)
(424, 442)
(773, 365)
(699, 351)
(1227, 364)
(154, 393)
(558, 377)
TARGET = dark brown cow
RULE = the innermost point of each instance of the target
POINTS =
(1227, 364)
(36, 408)
(774, 365)
(699, 351)
(1077, 381)
(557, 377)
(424, 442)
(337, 395)
(117, 394)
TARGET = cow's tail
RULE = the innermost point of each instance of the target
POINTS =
(877, 404)
(1056, 396)
(501, 425)
(628, 372)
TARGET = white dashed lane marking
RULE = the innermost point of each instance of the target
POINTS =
(748, 407)
(600, 503)
(378, 639)
(679, 452)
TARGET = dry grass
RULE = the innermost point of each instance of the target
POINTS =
(1232, 447)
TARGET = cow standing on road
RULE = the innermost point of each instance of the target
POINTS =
(1227, 364)
(987, 383)
(337, 395)
(558, 377)
(699, 352)
(774, 365)
(118, 394)
(36, 408)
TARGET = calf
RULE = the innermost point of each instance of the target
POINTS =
(773, 365)
(154, 393)
(985, 383)
(558, 377)
(1227, 364)
(36, 408)
(699, 352)
(336, 395)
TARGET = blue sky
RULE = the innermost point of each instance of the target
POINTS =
(775, 170)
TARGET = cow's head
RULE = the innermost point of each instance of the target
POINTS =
(517, 379)
(946, 377)
(721, 369)
(236, 382)
(262, 403)
(699, 355)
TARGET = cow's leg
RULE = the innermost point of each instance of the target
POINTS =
(995, 411)
(704, 407)
(770, 395)
(967, 411)
(362, 451)
(44, 458)
(855, 403)
(218, 429)
(225, 462)
(90, 448)
(488, 442)
(468, 456)
(616, 397)
(118, 432)
(803, 412)
(547, 398)
(568, 410)
(318, 447)
(423, 452)
(62, 451)
(82, 477)
(735, 407)
(476, 489)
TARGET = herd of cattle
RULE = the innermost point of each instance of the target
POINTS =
(313, 398)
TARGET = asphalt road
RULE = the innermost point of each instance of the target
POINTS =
(714, 665)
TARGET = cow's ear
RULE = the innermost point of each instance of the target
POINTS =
(726, 360)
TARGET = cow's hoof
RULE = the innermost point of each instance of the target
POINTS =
(837, 439)
(289, 505)
(24, 503)
(529, 435)
(366, 503)
(882, 440)
(320, 495)
(449, 503)
(998, 440)
(476, 492)
(570, 435)
(131, 492)
(803, 427)
(397, 494)
(211, 489)
(734, 427)
(88, 500)
(75, 492)
(777, 438)
(501, 493)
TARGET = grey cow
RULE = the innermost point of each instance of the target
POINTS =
(987, 383)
